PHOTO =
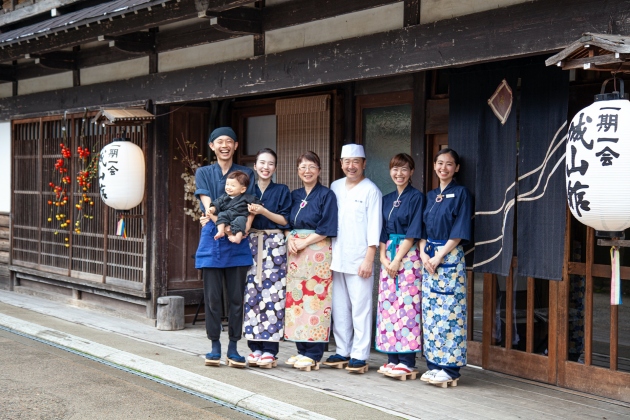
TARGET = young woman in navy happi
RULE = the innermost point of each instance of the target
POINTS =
(265, 290)
(447, 226)
(398, 324)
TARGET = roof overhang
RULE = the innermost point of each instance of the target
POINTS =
(95, 15)
(124, 116)
(601, 52)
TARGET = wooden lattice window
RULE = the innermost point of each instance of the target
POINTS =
(303, 124)
(96, 253)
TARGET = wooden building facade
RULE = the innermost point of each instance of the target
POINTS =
(292, 75)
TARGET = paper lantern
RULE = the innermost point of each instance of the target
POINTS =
(121, 174)
(598, 164)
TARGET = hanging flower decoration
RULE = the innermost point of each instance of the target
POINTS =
(61, 185)
(191, 160)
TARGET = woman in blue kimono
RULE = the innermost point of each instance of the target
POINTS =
(313, 221)
(447, 226)
(263, 323)
(398, 325)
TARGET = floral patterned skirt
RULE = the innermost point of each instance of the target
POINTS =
(444, 311)
(263, 319)
(309, 293)
(398, 326)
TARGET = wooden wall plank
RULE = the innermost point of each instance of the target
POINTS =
(486, 36)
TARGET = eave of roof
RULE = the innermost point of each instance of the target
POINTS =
(74, 20)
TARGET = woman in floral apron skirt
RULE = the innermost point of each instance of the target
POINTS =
(263, 322)
(447, 226)
(398, 325)
(313, 221)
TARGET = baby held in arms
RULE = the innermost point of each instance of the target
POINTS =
(231, 208)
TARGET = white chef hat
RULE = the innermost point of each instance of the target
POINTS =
(352, 150)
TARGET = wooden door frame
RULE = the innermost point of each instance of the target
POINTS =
(526, 364)
(184, 285)
(585, 377)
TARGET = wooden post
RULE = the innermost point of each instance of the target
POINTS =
(509, 307)
(488, 317)
(588, 304)
(158, 140)
(614, 336)
(470, 302)
(418, 127)
(529, 341)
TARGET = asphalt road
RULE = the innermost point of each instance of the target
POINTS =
(38, 381)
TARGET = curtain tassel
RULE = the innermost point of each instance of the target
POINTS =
(615, 278)
(121, 230)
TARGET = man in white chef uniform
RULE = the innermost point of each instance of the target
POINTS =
(353, 250)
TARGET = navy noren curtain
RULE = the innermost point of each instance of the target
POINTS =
(489, 164)
(541, 219)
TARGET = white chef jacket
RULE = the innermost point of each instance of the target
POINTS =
(359, 224)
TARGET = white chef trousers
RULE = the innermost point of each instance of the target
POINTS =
(352, 314)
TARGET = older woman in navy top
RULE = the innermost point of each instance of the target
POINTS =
(398, 326)
(313, 219)
(447, 226)
(263, 324)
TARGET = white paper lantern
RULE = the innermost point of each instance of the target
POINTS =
(598, 165)
(121, 174)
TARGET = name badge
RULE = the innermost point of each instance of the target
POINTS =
(450, 196)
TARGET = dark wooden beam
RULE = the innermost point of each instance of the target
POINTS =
(242, 20)
(136, 43)
(494, 35)
(418, 128)
(259, 44)
(76, 72)
(153, 55)
(296, 12)
(145, 19)
(219, 5)
(412, 13)
(199, 33)
(7, 73)
(102, 55)
(55, 64)
(599, 60)
(29, 70)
